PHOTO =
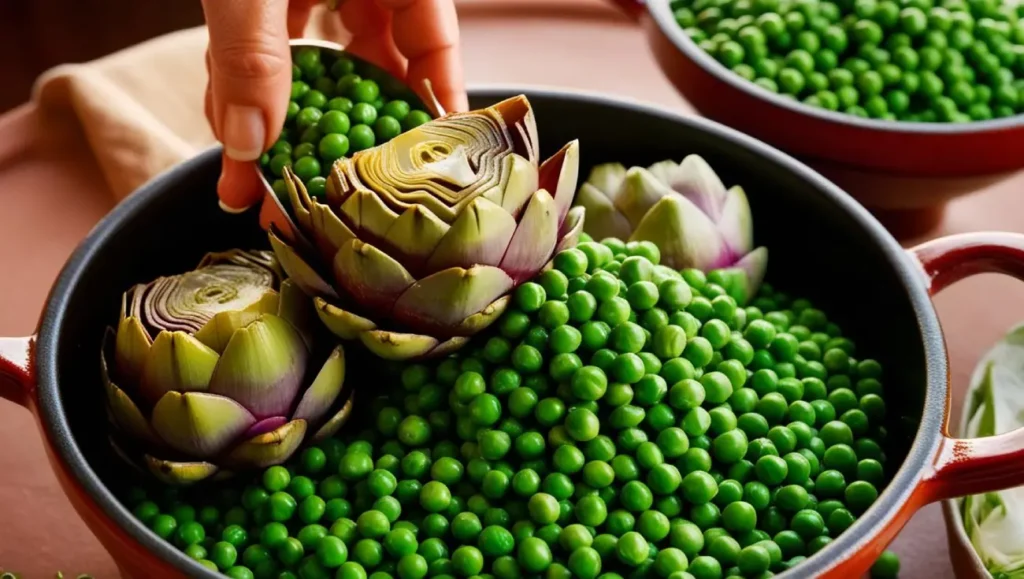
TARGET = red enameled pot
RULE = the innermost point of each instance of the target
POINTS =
(823, 245)
(893, 167)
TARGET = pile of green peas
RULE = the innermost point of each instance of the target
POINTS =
(339, 106)
(905, 60)
(621, 419)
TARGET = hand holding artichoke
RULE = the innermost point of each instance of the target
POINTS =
(420, 240)
(214, 370)
(684, 209)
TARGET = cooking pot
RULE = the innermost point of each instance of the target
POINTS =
(823, 246)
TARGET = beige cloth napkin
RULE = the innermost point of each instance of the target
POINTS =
(141, 109)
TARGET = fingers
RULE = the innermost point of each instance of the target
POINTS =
(240, 186)
(370, 25)
(426, 32)
(250, 77)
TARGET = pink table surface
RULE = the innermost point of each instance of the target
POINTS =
(50, 196)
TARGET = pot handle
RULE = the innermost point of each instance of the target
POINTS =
(17, 375)
(634, 9)
(979, 465)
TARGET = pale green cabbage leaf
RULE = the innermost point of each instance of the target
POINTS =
(995, 521)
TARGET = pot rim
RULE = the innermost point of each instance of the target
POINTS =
(54, 422)
(661, 14)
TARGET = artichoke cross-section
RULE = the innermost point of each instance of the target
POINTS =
(216, 370)
(418, 242)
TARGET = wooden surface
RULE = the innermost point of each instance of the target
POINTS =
(51, 196)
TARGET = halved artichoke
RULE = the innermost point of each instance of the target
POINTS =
(421, 239)
(214, 370)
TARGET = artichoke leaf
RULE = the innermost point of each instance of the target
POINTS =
(480, 235)
(607, 179)
(683, 233)
(443, 300)
(665, 171)
(324, 390)
(415, 235)
(299, 270)
(573, 227)
(367, 213)
(559, 175)
(262, 367)
(699, 183)
(177, 362)
(127, 415)
(398, 346)
(132, 344)
(736, 225)
(295, 307)
(342, 323)
(334, 423)
(371, 277)
(269, 448)
(639, 192)
(218, 331)
(522, 181)
(179, 473)
(603, 219)
(200, 424)
(481, 320)
(534, 240)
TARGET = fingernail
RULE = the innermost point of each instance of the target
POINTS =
(244, 132)
(233, 210)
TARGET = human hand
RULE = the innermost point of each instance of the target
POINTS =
(249, 65)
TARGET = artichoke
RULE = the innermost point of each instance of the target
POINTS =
(214, 371)
(419, 241)
(685, 210)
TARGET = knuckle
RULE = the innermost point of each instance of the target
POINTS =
(249, 61)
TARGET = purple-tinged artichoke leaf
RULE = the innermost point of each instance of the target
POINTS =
(639, 192)
(481, 320)
(200, 424)
(127, 415)
(448, 346)
(132, 345)
(342, 323)
(699, 183)
(179, 473)
(262, 367)
(397, 346)
(295, 307)
(324, 391)
(334, 424)
(441, 301)
(371, 277)
(176, 362)
(366, 212)
(607, 179)
(665, 171)
(683, 233)
(218, 331)
(603, 219)
(517, 117)
(298, 270)
(416, 233)
(480, 235)
(735, 225)
(522, 182)
(572, 227)
(267, 449)
(534, 240)
(754, 265)
(560, 174)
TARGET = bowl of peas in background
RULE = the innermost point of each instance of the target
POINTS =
(340, 104)
(903, 103)
(894, 326)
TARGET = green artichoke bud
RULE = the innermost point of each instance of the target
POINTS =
(684, 209)
(420, 240)
(213, 371)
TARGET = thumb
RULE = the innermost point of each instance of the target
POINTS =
(250, 73)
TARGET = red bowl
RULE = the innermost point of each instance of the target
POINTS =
(842, 259)
(887, 165)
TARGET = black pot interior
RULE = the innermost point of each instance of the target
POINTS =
(822, 246)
